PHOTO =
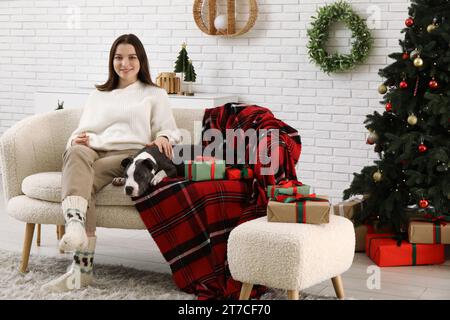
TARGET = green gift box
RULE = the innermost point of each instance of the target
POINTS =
(289, 188)
(204, 168)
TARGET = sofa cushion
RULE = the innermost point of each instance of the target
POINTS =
(47, 186)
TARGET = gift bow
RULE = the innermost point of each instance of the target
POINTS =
(298, 198)
(286, 184)
(442, 220)
(289, 183)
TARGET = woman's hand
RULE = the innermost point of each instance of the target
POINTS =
(164, 146)
(82, 138)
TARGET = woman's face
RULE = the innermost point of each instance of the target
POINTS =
(126, 62)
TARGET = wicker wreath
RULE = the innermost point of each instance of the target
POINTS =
(318, 36)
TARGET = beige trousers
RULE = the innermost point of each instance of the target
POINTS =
(86, 171)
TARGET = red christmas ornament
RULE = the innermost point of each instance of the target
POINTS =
(422, 148)
(405, 56)
(433, 84)
(409, 22)
(403, 84)
(388, 107)
(423, 203)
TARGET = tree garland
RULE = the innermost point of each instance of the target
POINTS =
(318, 36)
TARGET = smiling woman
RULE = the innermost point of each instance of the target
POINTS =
(121, 117)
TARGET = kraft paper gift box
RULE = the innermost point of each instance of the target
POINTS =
(204, 168)
(384, 250)
(429, 232)
(312, 212)
(290, 188)
(362, 230)
(348, 208)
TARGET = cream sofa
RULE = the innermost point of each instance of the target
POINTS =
(31, 162)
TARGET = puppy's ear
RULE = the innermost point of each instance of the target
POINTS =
(125, 162)
(150, 165)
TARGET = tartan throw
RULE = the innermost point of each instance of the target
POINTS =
(191, 221)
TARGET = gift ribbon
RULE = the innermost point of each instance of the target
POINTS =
(440, 219)
(437, 232)
(301, 212)
(298, 198)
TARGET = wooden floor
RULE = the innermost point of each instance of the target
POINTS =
(137, 249)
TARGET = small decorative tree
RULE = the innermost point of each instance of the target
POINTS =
(190, 77)
(182, 61)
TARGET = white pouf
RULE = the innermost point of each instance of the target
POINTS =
(291, 256)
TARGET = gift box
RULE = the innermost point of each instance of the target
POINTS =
(348, 208)
(290, 187)
(362, 230)
(429, 232)
(312, 210)
(204, 168)
(388, 251)
(236, 173)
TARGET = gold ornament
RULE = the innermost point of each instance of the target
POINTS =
(412, 120)
(431, 28)
(382, 89)
(418, 62)
(377, 176)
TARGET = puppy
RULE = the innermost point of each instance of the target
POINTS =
(149, 166)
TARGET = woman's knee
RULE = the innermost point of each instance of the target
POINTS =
(76, 151)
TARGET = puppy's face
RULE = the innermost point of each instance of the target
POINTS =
(139, 173)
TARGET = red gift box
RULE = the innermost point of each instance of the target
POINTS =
(384, 250)
(238, 174)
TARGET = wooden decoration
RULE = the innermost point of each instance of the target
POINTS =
(168, 81)
(231, 25)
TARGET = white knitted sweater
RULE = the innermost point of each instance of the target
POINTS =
(127, 118)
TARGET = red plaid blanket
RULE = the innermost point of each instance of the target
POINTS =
(191, 221)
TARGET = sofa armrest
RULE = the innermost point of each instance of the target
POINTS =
(34, 144)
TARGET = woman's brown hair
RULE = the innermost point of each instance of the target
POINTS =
(144, 72)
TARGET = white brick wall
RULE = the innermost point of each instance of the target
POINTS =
(44, 44)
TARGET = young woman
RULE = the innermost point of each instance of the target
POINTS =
(119, 118)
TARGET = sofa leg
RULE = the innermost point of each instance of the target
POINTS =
(293, 294)
(338, 287)
(58, 237)
(29, 231)
(38, 237)
(246, 290)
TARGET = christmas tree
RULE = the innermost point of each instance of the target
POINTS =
(182, 61)
(190, 74)
(190, 77)
(412, 135)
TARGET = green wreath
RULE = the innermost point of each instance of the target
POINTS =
(318, 36)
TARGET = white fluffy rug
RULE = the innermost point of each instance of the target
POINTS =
(112, 282)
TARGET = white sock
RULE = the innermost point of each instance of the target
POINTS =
(79, 274)
(74, 210)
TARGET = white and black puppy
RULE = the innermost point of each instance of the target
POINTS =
(149, 166)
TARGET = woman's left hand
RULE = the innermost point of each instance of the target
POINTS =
(164, 146)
